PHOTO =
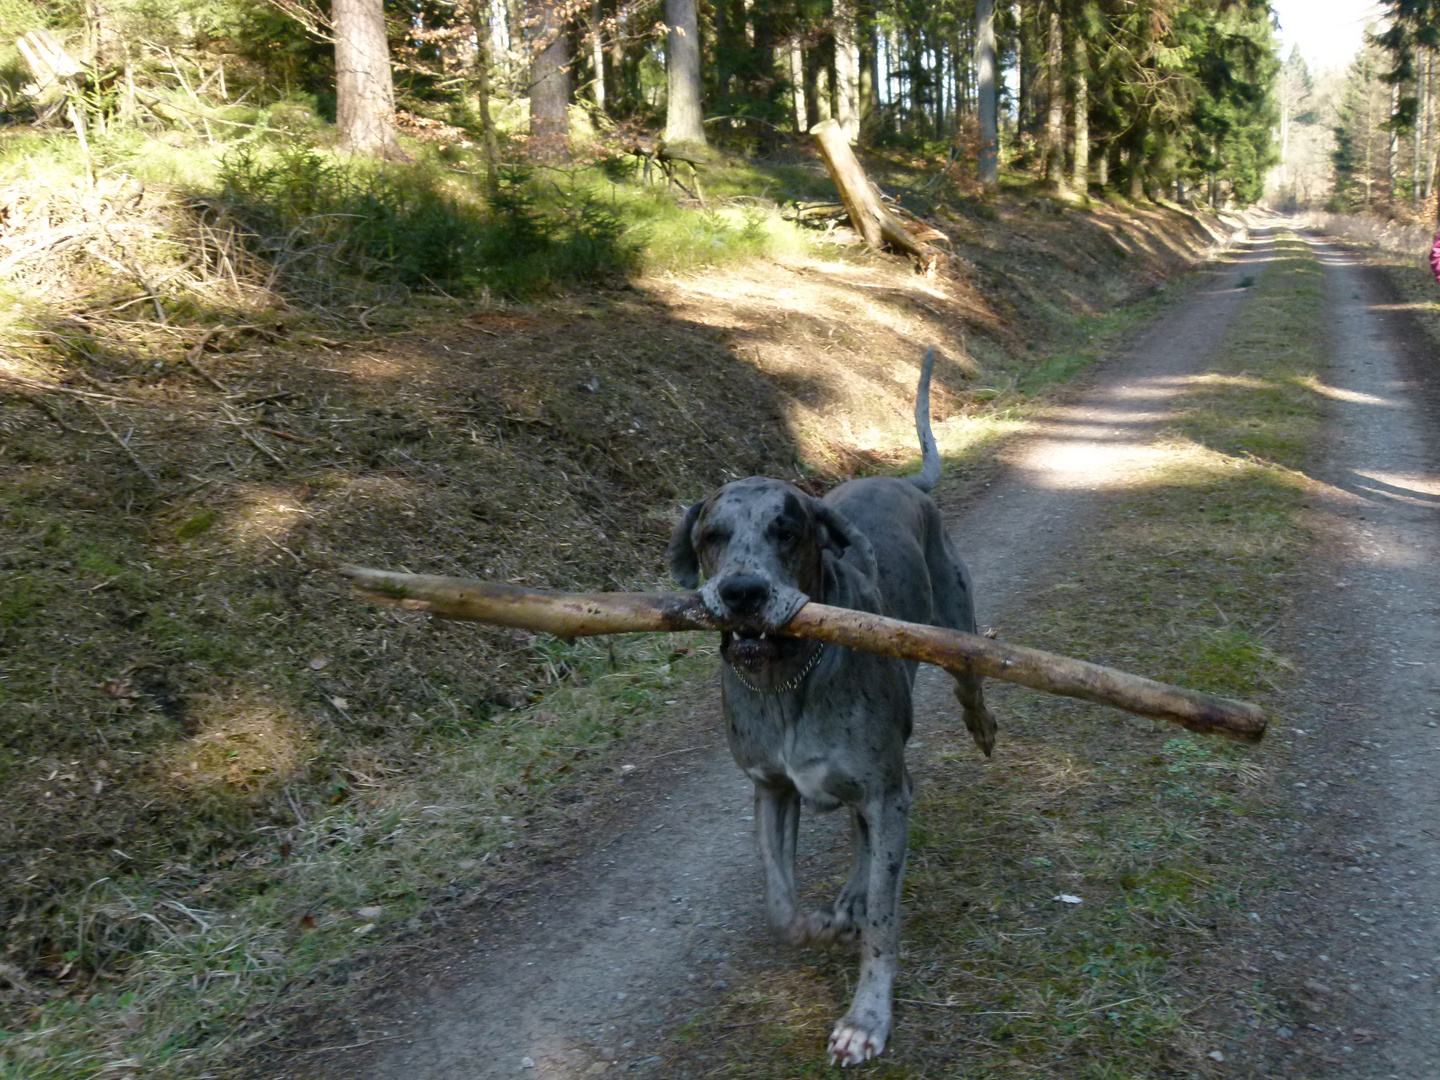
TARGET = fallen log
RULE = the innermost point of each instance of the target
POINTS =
(572, 615)
(867, 213)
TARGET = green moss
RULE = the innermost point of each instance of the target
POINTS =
(199, 523)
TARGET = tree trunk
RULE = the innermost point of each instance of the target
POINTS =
(847, 70)
(1427, 113)
(550, 84)
(869, 76)
(683, 121)
(1025, 73)
(797, 86)
(1080, 175)
(1391, 160)
(1284, 135)
(989, 103)
(484, 66)
(517, 66)
(960, 55)
(1368, 125)
(597, 53)
(364, 93)
(919, 84)
(110, 47)
(850, 180)
(616, 90)
(1102, 166)
(1135, 159)
(1055, 115)
(937, 67)
(1419, 153)
(1433, 151)
(730, 47)
(765, 38)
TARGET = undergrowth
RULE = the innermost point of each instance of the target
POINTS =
(1154, 834)
(329, 225)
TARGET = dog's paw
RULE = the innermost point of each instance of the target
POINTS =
(981, 723)
(843, 921)
(818, 928)
(853, 1042)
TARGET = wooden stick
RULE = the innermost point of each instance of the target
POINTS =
(572, 615)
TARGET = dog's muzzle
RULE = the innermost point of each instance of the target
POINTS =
(752, 599)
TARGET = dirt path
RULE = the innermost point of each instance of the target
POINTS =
(1361, 936)
(639, 933)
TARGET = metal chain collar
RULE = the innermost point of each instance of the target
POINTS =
(789, 684)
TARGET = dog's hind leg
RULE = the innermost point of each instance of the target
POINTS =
(777, 819)
(849, 911)
(978, 719)
(955, 608)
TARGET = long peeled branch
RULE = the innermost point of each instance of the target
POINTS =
(572, 615)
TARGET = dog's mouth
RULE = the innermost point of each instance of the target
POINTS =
(751, 650)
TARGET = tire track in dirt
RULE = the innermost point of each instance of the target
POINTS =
(1359, 945)
(638, 933)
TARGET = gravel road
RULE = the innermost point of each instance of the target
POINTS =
(1360, 936)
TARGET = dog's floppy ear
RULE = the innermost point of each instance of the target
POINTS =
(684, 563)
(837, 533)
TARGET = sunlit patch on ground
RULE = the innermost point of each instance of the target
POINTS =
(245, 741)
(267, 515)
(1404, 484)
(1337, 393)
(24, 368)
(383, 366)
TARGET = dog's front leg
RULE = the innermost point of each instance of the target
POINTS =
(777, 822)
(861, 1033)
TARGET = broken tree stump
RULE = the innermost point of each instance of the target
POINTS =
(572, 615)
(50, 66)
(867, 213)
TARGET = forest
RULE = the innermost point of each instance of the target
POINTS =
(1170, 98)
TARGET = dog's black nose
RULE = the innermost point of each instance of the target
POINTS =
(744, 594)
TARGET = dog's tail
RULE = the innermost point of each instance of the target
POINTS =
(929, 474)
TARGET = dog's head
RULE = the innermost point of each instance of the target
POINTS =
(761, 545)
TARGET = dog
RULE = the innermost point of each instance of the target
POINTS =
(822, 725)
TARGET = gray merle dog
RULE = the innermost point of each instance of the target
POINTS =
(820, 724)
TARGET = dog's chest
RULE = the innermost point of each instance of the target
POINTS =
(816, 781)
(816, 758)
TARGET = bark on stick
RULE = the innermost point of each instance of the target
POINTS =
(572, 615)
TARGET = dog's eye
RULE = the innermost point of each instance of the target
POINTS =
(714, 538)
(783, 534)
